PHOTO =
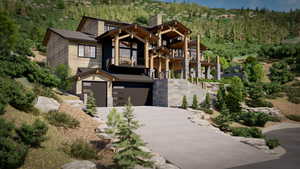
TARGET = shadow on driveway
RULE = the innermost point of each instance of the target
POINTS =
(289, 140)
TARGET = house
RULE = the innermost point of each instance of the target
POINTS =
(116, 60)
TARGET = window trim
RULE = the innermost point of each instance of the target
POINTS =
(84, 45)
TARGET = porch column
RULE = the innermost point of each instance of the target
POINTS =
(218, 66)
(117, 49)
(198, 59)
(151, 66)
(167, 75)
(208, 68)
(159, 67)
(186, 63)
(146, 54)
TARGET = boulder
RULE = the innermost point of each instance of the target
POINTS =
(199, 119)
(46, 104)
(105, 136)
(74, 103)
(101, 128)
(168, 166)
(254, 142)
(158, 160)
(267, 110)
(79, 165)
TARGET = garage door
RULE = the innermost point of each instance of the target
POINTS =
(99, 90)
(140, 93)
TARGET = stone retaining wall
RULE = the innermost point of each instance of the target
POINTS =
(169, 92)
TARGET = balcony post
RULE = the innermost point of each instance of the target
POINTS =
(198, 59)
(146, 54)
(186, 63)
(116, 59)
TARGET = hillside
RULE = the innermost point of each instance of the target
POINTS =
(229, 33)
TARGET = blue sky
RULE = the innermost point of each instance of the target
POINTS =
(278, 5)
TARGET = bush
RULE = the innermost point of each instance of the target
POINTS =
(82, 150)
(184, 103)
(34, 134)
(254, 118)
(272, 88)
(61, 119)
(6, 128)
(272, 143)
(208, 111)
(62, 71)
(41, 90)
(259, 103)
(293, 94)
(15, 94)
(223, 122)
(294, 117)
(281, 73)
(12, 153)
(247, 132)
(195, 102)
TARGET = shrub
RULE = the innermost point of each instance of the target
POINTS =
(247, 132)
(259, 103)
(61, 119)
(12, 153)
(184, 103)
(82, 150)
(6, 128)
(41, 90)
(272, 143)
(15, 94)
(62, 71)
(195, 102)
(223, 122)
(294, 117)
(254, 118)
(208, 111)
(220, 98)
(91, 105)
(293, 94)
(281, 73)
(272, 88)
(34, 134)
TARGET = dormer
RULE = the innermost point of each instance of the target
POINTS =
(91, 26)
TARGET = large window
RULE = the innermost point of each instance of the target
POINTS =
(87, 51)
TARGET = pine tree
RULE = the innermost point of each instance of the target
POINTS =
(91, 105)
(114, 118)
(220, 97)
(195, 102)
(129, 153)
(184, 103)
(207, 102)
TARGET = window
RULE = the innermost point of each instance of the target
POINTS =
(87, 51)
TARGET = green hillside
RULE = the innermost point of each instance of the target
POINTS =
(240, 34)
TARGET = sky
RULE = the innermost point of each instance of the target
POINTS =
(277, 5)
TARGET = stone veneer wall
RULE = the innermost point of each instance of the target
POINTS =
(169, 92)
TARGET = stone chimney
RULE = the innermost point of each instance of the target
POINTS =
(156, 20)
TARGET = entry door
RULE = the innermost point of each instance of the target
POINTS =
(139, 93)
(99, 91)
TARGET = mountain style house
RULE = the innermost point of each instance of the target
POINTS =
(115, 60)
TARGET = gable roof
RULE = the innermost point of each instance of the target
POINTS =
(71, 35)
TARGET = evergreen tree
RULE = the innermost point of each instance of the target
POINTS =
(184, 103)
(114, 118)
(91, 105)
(129, 153)
(207, 102)
(220, 97)
(195, 102)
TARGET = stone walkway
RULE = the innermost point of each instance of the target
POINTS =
(169, 132)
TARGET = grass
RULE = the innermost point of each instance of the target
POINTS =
(50, 155)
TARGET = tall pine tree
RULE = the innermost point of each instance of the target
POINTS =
(129, 152)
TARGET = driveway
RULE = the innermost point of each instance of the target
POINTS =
(169, 132)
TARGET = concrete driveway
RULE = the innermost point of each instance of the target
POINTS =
(169, 132)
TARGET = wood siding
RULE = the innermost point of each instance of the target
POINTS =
(57, 50)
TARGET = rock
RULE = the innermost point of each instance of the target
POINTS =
(198, 118)
(168, 166)
(105, 136)
(101, 128)
(74, 103)
(141, 167)
(79, 165)
(254, 142)
(46, 104)
(267, 110)
(158, 160)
